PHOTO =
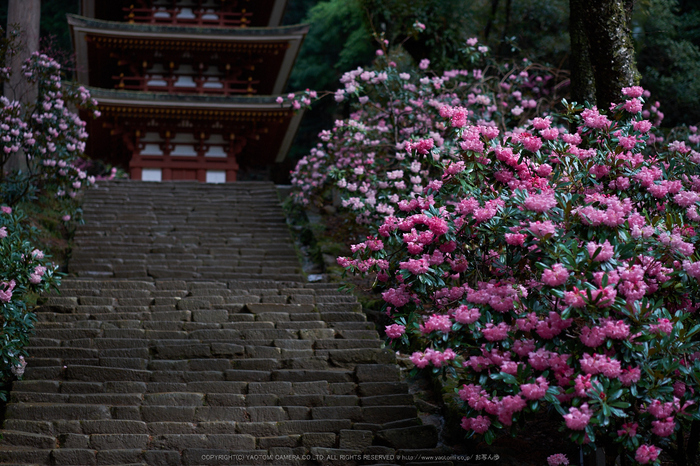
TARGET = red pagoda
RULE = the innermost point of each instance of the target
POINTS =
(187, 88)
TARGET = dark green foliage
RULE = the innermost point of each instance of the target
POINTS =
(338, 41)
(55, 34)
(540, 30)
(448, 23)
(532, 28)
(668, 44)
(297, 10)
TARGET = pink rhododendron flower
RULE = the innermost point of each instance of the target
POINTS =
(629, 428)
(540, 202)
(582, 384)
(633, 91)
(19, 369)
(647, 454)
(478, 424)
(606, 251)
(552, 326)
(664, 326)
(441, 323)
(466, 315)
(692, 269)
(630, 376)
(664, 428)
(394, 331)
(541, 123)
(633, 105)
(396, 296)
(497, 332)
(541, 229)
(679, 389)
(555, 276)
(559, 459)
(420, 359)
(578, 418)
(532, 143)
(593, 119)
(592, 337)
(517, 239)
(416, 266)
(6, 291)
(540, 359)
(535, 391)
(660, 410)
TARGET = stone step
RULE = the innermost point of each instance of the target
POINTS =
(19, 438)
(187, 330)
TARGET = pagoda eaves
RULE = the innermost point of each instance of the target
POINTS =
(187, 91)
(278, 46)
(258, 13)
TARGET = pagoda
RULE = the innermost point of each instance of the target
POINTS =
(187, 88)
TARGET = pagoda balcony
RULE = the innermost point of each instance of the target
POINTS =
(187, 17)
(215, 59)
(184, 84)
(217, 14)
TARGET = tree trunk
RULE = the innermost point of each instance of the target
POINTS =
(22, 15)
(492, 18)
(602, 53)
(582, 79)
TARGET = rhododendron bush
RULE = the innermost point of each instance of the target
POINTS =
(376, 158)
(48, 134)
(51, 138)
(544, 267)
(544, 261)
(25, 272)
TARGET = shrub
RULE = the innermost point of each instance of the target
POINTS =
(51, 139)
(370, 158)
(25, 272)
(554, 268)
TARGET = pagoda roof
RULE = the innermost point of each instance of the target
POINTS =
(266, 13)
(163, 99)
(285, 42)
(137, 105)
(123, 29)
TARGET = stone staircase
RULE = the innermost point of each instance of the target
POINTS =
(185, 335)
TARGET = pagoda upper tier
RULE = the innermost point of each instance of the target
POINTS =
(206, 13)
(187, 88)
(184, 60)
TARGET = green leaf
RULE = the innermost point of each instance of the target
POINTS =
(507, 378)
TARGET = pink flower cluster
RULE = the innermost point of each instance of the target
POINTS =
(558, 459)
(540, 264)
(578, 418)
(6, 291)
(647, 454)
(430, 356)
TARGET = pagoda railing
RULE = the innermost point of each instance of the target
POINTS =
(187, 17)
(199, 85)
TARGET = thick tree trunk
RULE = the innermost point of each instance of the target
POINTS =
(602, 53)
(582, 79)
(23, 15)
